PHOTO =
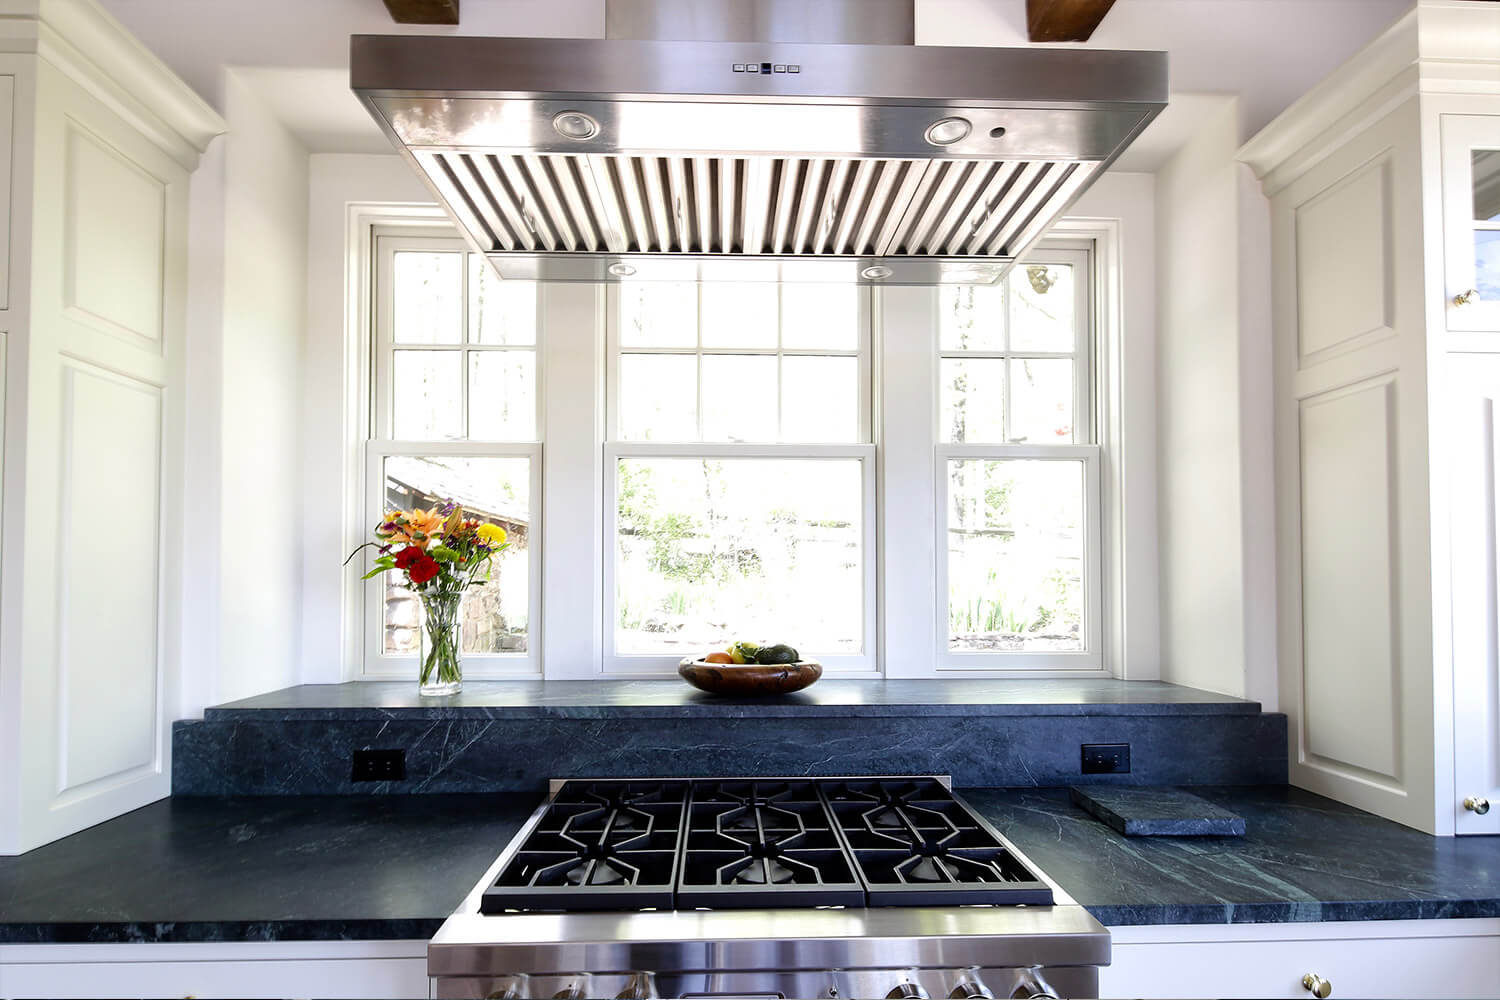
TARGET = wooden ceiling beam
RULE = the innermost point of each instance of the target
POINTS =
(1062, 20)
(423, 11)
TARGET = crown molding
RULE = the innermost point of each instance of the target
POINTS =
(88, 45)
(1438, 47)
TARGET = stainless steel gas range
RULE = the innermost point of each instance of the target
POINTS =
(755, 888)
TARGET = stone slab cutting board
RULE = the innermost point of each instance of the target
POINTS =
(1146, 811)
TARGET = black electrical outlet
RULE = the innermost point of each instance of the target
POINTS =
(1106, 758)
(379, 765)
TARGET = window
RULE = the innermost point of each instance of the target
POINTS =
(1018, 492)
(455, 417)
(846, 469)
(739, 472)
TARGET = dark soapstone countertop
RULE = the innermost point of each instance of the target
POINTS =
(602, 699)
(1303, 858)
(260, 869)
(392, 867)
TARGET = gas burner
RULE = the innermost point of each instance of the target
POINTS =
(606, 845)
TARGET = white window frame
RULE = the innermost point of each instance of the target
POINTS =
(375, 664)
(866, 662)
(903, 472)
(1083, 449)
(1091, 657)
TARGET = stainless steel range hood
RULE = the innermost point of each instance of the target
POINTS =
(587, 159)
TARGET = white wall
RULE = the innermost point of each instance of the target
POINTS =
(1213, 418)
(341, 189)
(247, 308)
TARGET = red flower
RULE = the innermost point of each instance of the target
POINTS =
(423, 569)
(407, 556)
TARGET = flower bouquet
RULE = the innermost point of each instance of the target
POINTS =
(443, 553)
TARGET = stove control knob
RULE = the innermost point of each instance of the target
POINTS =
(642, 986)
(969, 985)
(906, 989)
(1032, 986)
(509, 988)
(572, 991)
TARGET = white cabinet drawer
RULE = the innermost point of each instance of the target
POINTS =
(1408, 959)
(354, 969)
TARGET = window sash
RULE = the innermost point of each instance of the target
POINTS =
(384, 344)
(1082, 354)
(1019, 663)
(378, 665)
(616, 664)
(614, 349)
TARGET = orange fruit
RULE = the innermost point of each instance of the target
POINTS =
(718, 658)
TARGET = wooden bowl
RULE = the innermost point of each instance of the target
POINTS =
(749, 680)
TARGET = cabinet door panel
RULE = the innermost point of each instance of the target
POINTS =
(1469, 447)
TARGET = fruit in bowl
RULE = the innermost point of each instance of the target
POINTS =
(749, 669)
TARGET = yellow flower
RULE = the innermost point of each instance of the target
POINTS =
(493, 534)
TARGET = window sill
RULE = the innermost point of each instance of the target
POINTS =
(831, 697)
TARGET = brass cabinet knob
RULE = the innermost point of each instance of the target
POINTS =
(1466, 298)
(1317, 986)
(1477, 804)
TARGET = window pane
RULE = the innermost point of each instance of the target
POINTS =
(428, 298)
(502, 399)
(1015, 556)
(658, 397)
(820, 399)
(739, 315)
(658, 314)
(739, 397)
(1041, 393)
(1041, 308)
(1486, 180)
(500, 312)
(819, 317)
(971, 317)
(428, 395)
(1487, 264)
(714, 550)
(495, 490)
(972, 400)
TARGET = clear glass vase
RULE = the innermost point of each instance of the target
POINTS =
(440, 652)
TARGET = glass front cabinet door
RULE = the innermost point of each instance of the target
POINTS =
(1471, 221)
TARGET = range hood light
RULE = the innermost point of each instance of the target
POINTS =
(620, 270)
(947, 131)
(574, 125)
(876, 272)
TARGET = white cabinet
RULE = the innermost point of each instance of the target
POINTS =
(353, 969)
(101, 141)
(1454, 959)
(1386, 540)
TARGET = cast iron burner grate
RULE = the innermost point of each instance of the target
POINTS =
(628, 845)
(914, 844)
(612, 843)
(750, 840)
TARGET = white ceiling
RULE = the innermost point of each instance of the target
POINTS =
(295, 54)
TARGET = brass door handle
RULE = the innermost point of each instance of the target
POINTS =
(1466, 298)
(1477, 804)
(1317, 986)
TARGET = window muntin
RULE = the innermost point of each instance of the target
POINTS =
(455, 417)
(743, 507)
(1019, 574)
